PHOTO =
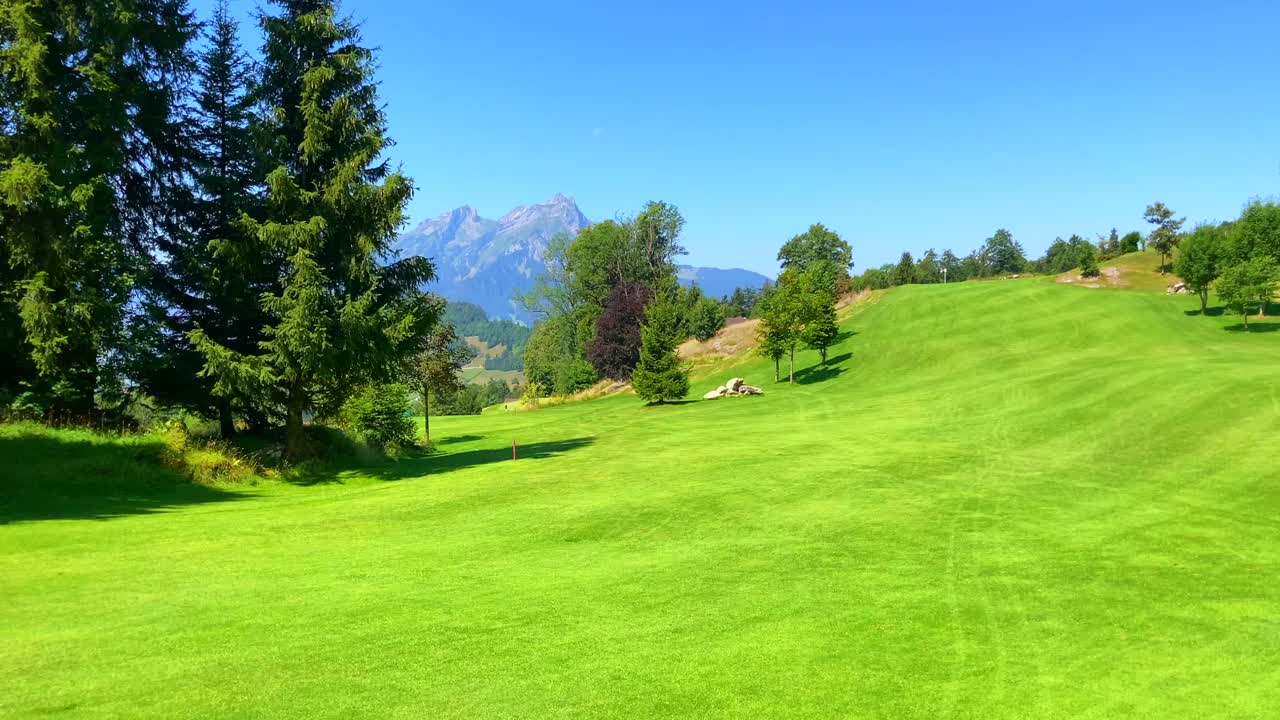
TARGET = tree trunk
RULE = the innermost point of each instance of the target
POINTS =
(777, 368)
(1246, 321)
(791, 367)
(426, 414)
(1204, 301)
(293, 424)
(226, 422)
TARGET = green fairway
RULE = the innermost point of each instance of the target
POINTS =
(1006, 499)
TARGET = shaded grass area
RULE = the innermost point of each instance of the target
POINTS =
(1014, 499)
(77, 474)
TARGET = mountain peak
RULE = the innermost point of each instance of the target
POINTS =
(561, 199)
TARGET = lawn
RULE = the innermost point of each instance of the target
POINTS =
(1006, 499)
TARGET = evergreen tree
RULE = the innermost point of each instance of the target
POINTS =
(209, 275)
(1088, 260)
(659, 375)
(87, 151)
(341, 317)
(1164, 236)
(1131, 242)
(905, 271)
(1002, 254)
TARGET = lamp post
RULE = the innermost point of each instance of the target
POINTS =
(944, 274)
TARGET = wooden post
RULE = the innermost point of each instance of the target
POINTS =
(513, 449)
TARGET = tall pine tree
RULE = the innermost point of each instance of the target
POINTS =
(88, 141)
(209, 273)
(341, 317)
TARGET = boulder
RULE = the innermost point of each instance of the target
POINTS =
(733, 385)
(1177, 288)
(715, 394)
(748, 390)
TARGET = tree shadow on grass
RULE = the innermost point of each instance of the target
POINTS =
(446, 462)
(1254, 327)
(1211, 312)
(821, 373)
(666, 403)
(47, 478)
(453, 439)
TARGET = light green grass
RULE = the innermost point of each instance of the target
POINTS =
(1004, 500)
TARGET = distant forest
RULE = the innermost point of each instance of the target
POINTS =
(470, 320)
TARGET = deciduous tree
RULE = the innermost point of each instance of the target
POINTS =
(1199, 257)
(1247, 284)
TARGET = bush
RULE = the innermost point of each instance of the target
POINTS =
(380, 415)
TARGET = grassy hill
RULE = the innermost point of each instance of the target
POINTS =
(1005, 499)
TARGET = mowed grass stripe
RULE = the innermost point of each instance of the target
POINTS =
(1007, 499)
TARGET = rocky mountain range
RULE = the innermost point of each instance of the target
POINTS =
(488, 262)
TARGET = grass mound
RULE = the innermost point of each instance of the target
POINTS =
(999, 500)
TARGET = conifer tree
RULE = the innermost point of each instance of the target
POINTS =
(341, 318)
(87, 148)
(659, 375)
(209, 274)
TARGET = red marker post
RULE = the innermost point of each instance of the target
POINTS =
(513, 449)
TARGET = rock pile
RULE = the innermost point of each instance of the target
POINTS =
(1177, 288)
(736, 386)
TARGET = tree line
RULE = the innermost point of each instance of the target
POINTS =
(611, 308)
(185, 222)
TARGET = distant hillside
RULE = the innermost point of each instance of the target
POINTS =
(488, 262)
(500, 343)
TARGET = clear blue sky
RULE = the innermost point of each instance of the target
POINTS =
(901, 125)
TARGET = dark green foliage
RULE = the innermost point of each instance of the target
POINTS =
(874, 279)
(1199, 258)
(89, 144)
(929, 269)
(1001, 255)
(904, 273)
(1257, 232)
(554, 360)
(472, 399)
(1088, 262)
(471, 321)
(1131, 242)
(953, 267)
(1066, 255)
(206, 275)
(381, 416)
(342, 317)
(659, 375)
(581, 274)
(1248, 284)
(742, 303)
(818, 244)
(1164, 234)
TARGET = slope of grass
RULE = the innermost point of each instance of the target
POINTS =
(1001, 500)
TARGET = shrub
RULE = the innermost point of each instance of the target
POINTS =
(381, 416)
